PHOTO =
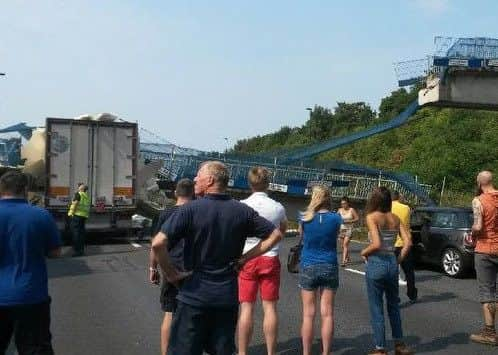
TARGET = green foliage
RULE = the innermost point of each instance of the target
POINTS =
(436, 143)
(393, 104)
(323, 124)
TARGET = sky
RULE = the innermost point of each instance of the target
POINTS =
(195, 72)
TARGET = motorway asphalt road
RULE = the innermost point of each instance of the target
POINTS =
(103, 304)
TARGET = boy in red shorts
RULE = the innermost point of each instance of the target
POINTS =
(261, 273)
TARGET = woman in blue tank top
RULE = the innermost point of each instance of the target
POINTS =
(319, 274)
(382, 270)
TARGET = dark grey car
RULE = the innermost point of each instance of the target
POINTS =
(442, 236)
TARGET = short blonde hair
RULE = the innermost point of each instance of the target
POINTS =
(259, 178)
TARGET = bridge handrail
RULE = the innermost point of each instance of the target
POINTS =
(336, 142)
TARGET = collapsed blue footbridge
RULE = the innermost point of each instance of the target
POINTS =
(462, 72)
(295, 171)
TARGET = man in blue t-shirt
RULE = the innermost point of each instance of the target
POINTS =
(28, 234)
(214, 229)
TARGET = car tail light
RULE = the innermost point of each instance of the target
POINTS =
(469, 240)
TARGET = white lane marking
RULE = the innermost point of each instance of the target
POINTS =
(358, 242)
(354, 271)
(136, 245)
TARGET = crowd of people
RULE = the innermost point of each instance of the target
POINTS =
(216, 254)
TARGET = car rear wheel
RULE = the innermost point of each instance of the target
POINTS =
(453, 263)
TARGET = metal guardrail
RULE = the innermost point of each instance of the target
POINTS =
(354, 185)
(476, 47)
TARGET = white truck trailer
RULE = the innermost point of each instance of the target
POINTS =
(101, 154)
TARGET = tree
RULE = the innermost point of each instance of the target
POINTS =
(395, 103)
(348, 115)
(436, 143)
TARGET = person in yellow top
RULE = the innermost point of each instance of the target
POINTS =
(403, 212)
(79, 211)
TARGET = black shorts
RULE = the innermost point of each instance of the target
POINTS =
(30, 325)
(168, 297)
(208, 329)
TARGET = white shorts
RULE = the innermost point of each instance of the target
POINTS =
(345, 232)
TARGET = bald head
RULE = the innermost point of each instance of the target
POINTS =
(485, 179)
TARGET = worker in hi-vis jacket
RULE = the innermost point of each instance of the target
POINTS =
(79, 212)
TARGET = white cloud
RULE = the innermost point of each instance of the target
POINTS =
(433, 6)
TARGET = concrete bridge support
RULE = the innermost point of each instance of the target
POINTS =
(462, 88)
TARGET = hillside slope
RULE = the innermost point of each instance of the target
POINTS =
(436, 143)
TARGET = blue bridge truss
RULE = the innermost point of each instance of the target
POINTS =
(294, 171)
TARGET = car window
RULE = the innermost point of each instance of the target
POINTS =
(420, 218)
(444, 220)
(467, 219)
(452, 220)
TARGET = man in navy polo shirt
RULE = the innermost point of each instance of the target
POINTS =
(27, 235)
(214, 229)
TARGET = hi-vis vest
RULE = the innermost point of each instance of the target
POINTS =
(83, 208)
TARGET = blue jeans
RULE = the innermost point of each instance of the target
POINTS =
(382, 277)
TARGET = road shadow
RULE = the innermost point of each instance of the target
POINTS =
(357, 345)
(288, 347)
(437, 344)
(108, 263)
(431, 299)
(363, 343)
(96, 252)
(66, 266)
(422, 278)
(440, 273)
(108, 238)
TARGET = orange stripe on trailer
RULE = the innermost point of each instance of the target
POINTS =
(123, 191)
(58, 191)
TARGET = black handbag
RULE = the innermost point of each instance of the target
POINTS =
(294, 258)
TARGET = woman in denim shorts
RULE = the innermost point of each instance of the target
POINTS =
(382, 270)
(319, 274)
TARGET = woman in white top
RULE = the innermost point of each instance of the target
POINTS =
(349, 217)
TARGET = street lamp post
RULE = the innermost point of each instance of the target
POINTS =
(311, 112)
(226, 145)
(226, 149)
